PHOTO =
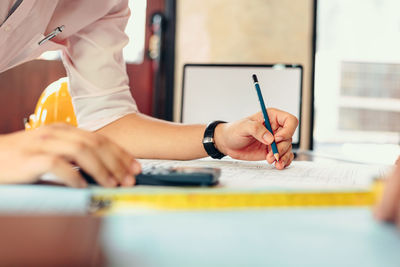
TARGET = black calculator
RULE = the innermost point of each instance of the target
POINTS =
(173, 176)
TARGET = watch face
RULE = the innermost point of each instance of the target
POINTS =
(208, 139)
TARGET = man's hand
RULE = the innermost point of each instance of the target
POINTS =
(389, 207)
(248, 139)
(25, 156)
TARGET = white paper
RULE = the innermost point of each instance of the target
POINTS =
(299, 175)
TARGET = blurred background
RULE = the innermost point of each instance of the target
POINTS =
(357, 78)
(349, 51)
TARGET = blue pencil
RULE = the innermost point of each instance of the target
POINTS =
(265, 114)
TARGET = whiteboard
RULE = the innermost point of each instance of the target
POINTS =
(226, 92)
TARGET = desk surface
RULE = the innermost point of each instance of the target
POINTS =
(263, 237)
(301, 237)
(258, 237)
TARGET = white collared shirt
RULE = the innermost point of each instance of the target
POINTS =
(91, 44)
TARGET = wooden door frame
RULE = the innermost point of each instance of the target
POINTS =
(312, 82)
(154, 94)
(170, 36)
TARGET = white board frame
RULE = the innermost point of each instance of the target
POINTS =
(215, 98)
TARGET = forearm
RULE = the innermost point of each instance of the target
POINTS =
(146, 137)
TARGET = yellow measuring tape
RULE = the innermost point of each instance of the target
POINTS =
(106, 203)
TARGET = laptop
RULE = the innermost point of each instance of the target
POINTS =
(226, 92)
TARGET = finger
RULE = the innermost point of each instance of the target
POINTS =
(257, 117)
(61, 168)
(290, 160)
(284, 147)
(284, 122)
(119, 164)
(282, 163)
(258, 131)
(270, 155)
(82, 155)
(126, 158)
(388, 206)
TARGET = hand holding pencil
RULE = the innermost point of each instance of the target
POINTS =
(249, 139)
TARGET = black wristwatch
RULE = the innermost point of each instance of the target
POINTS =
(208, 141)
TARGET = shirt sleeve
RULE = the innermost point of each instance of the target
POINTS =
(98, 82)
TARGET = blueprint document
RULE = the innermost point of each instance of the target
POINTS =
(299, 175)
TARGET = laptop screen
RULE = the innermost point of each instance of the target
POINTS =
(226, 92)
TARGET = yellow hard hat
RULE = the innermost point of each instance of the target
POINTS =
(54, 105)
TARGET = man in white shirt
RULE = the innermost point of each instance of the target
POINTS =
(90, 34)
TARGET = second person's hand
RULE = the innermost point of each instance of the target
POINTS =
(388, 208)
(25, 156)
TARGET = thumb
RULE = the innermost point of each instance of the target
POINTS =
(259, 132)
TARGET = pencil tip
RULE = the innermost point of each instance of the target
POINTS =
(276, 155)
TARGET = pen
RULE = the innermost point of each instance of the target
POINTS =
(52, 34)
(265, 114)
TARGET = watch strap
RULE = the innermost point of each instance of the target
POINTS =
(208, 141)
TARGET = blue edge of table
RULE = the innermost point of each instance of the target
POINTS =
(257, 237)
